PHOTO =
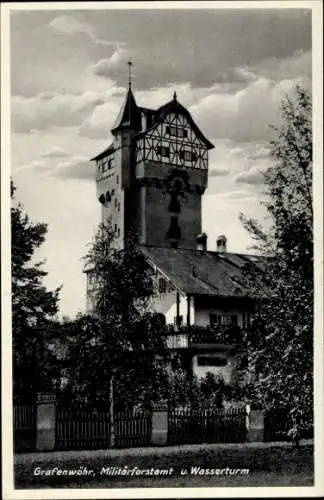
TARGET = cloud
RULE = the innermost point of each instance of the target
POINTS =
(297, 65)
(233, 195)
(71, 26)
(246, 115)
(73, 167)
(100, 122)
(41, 166)
(253, 176)
(218, 171)
(52, 109)
(54, 152)
(77, 167)
(108, 67)
(236, 75)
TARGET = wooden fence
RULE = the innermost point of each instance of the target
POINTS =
(208, 425)
(76, 430)
(81, 430)
(133, 429)
(86, 429)
(24, 426)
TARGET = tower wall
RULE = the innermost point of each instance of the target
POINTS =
(166, 193)
(158, 218)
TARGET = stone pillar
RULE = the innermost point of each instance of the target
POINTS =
(159, 435)
(45, 422)
(255, 426)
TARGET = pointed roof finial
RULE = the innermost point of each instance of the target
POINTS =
(175, 95)
(130, 64)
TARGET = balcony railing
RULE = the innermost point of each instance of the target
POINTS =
(184, 336)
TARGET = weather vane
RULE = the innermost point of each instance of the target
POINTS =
(130, 64)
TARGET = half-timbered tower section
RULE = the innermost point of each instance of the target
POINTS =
(150, 180)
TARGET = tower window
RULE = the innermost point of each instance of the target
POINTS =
(163, 151)
(118, 231)
(117, 179)
(187, 155)
(174, 232)
(115, 228)
(116, 202)
(177, 131)
(118, 206)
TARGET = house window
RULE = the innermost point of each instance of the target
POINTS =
(223, 319)
(177, 131)
(116, 202)
(118, 206)
(118, 231)
(211, 361)
(162, 285)
(163, 151)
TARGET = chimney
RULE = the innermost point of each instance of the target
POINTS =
(202, 242)
(221, 243)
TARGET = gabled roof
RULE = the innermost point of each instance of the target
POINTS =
(196, 272)
(129, 115)
(174, 106)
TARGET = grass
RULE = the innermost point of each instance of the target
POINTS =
(276, 466)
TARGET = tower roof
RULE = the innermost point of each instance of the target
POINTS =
(129, 114)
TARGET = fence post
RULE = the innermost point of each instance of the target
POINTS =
(45, 421)
(159, 423)
(255, 425)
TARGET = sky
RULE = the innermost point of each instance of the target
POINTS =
(230, 68)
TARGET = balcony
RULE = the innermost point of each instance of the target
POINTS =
(199, 337)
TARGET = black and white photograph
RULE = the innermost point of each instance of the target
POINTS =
(162, 329)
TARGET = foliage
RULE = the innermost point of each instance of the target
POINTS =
(33, 306)
(281, 340)
(120, 338)
(185, 391)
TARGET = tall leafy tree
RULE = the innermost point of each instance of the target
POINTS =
(33, 306)
(120, 339)
(281, 340)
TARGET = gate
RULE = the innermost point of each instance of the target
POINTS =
(210, 425)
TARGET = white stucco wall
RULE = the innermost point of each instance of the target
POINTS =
(202, 316)
(166, 303)
(224, 371)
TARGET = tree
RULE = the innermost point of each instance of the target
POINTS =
(120, 339)
(33, 306)
(281, 343)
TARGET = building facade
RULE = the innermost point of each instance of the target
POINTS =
(150, 182)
